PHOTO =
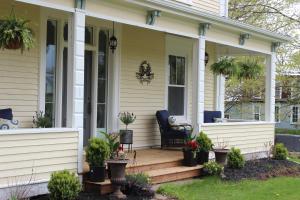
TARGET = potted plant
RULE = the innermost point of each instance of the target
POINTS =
(117, 166)
(97, 152)
(226, 66)
(40, 120)
(126, 135)
(205, 145)
(15, 33)
(221, 151)
(189, 152)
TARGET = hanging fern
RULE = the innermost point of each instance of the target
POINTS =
(15, 34)
(226, 66)
(250, 68)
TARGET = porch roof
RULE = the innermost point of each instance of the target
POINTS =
(193, 13)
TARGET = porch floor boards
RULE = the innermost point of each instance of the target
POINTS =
(161, 165)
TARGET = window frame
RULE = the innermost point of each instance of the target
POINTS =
(292, 114)
(185, 86)
(255, 113)
(277, 115)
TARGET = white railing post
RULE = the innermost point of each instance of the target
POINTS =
(270, 87)
(220, 94)
(78, 79)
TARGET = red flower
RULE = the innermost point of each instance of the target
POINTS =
(193, 145)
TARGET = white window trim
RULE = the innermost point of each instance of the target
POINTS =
(259, 113)
(291, 118)
(179, 46)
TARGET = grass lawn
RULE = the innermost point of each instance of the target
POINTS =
(294, 158)
(287, 131)
(212, 188)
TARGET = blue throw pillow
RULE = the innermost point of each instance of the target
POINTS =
(6, 114)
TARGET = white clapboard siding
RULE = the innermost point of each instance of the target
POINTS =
(19, 72)
(249, 137)
(211, 6)
(36, 153)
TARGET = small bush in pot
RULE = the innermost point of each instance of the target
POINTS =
(280, 152)
(235, 159)
(15, 33)
(64, 185)
(139, 185)
(189, 152)
(205, 145)
(41, 120)
(212, 168)
(97, 152)
(126, 135)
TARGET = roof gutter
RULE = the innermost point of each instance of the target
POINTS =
(210, 18)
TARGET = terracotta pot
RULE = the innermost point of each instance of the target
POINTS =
(202, 157)
(189, 158)
(97, 174)
(221, 155)
(117, 169)
(126, 136)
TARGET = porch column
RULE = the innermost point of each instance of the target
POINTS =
(270, 86)
(220, 94)
(77, 80)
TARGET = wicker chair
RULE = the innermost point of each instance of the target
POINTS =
(169, 136)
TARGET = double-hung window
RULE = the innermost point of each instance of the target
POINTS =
(295, 114)
(277, 114)
(256, 113)
(177, 85)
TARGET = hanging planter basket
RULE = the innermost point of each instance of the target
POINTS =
(225, 66)
(15, 33)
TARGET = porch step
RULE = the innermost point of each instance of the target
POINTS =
(153, 166)
(162, 175)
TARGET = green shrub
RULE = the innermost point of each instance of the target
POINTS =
(235, 159)
(64, 185)
(97, 152)
(204, 142)
(213, 168)
(138, 178)
(280, 152)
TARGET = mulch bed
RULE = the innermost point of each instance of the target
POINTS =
(263, 169)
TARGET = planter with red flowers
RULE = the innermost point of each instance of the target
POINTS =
(189, 152)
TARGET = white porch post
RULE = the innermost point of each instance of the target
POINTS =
(77, 74)
(200, 76)
(270, 86)
(220, 94)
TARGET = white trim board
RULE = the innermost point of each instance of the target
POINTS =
(48, 5)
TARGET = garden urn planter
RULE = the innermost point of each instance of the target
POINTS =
(221, 155)
(117, 168)
(202, 157)
(97, 174)
(189, 158)
(126, 136)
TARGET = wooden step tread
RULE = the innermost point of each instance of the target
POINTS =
(172, 170)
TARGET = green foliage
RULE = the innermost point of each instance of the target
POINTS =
(287, 131)
(127, 118)
(40, 120)
(225, 66)
(140, 179)
(280, 152)
(205, 143)
(213, 168)
(235, 159)
(64, 185)
(112, 141)
(14, 30)
(97, 152)
(249, 68)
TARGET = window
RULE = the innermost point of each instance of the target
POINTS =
(51, 62)
(102, 80)
(177, 85)
(227, 116)
(256, 112)
(277, 114)
(278, 92)
(295, 114)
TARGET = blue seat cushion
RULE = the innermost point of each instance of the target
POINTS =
(6, 114)
(210, 115)
(162, 116)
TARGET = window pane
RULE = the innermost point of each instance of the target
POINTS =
(176, 100)
(65, 87)
(66, 32)
(89, 35)
(180, 64)
(51, 51)
(277, 114)
(101, 114)
(101, 90)
(295, 114)
(172, 63)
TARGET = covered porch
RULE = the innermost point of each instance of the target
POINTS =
(74, 77)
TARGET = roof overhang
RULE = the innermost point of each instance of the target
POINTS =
(192, 13)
